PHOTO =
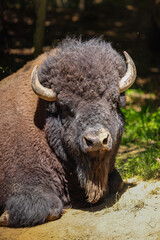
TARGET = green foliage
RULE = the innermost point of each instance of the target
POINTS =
(141, 127)
(142, 132)
(144, 164)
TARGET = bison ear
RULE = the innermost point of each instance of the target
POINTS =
(128, 79)
(43, 92)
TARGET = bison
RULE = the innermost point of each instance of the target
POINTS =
(58, 149)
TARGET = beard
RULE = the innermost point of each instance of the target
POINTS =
(91, 169)
(92, 172)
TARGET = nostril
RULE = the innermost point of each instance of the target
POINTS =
(105, 141)
(88, 142)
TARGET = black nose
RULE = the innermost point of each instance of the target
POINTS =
(95, 140)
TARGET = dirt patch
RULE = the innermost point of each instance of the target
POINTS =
(133, 214)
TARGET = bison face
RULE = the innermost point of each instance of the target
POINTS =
(84, 123)
(88, 133)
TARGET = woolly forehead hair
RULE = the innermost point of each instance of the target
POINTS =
(85, 69)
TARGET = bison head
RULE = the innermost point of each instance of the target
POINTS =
(83, 82)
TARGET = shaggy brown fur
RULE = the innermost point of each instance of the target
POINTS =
(43, 165)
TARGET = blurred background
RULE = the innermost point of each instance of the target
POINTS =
(30, 27)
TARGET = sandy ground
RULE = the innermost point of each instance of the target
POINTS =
(133, 214)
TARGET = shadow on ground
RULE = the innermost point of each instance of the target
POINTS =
(131, 214)
(109, 200)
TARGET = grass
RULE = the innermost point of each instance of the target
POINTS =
(142, 132)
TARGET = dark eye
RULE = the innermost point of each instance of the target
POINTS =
(66, 112)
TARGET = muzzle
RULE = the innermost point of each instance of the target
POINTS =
(96, 140)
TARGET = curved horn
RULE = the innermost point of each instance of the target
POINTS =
(128, 79)
(43, 92)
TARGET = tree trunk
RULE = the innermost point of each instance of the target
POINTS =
(154, 37)
(1, 16)
(81, 5)
(40, 26)
(59, 3)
